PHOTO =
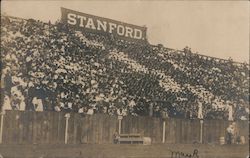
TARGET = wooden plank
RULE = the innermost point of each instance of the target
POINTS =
(114, 124)
(90, 129)
(95, 128)
(21, 127)
(16, 127)
(60, 128)
(76, 124)
(100, 128)
(7, 127)
(105, 129)
(175, 129)
(85, 128)
(183, 130)
(47, 127)
(50, 132)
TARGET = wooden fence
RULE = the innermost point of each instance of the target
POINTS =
(29, 127)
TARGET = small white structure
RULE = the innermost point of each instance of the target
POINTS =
(147, 141)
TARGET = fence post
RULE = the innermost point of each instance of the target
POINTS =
(1, 127)
(120, 123)
(67, 116)
(163, 131)
(201, 131)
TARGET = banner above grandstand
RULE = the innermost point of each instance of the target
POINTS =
(95, 24)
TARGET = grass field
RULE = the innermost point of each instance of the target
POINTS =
(122, 151)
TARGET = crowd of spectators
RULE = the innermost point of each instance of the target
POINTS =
(51, 67)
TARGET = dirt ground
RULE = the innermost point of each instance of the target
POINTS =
(123, 151)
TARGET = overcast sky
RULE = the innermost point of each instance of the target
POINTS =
(218, 29)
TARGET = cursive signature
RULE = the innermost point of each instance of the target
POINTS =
(179, 154)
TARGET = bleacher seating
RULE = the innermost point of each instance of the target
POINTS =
(54, 68)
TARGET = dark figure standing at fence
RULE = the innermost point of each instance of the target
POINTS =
(229, 134)
(116, 137)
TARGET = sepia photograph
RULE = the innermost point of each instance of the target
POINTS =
(124, 79)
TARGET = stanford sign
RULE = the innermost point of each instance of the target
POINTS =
(91, 23)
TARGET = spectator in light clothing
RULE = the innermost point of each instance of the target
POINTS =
(37, 103)
(6, 103)
(57, 108)
(81, 110)
(90, 111)
(22, 105)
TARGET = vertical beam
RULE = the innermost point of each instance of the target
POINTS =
(201, 131)
(1, 126)
(164, 132)
(67, 116)
(119, 124)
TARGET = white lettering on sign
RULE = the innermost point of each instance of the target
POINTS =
(129, 32)
(99, 24)
(112, 26)
(120, 30)
(71, 19)
(138, 34)
(90, 24)
(82, 19)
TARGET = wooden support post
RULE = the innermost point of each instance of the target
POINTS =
(1, 126)
(119, 124)
(164, 131)
(201, 131)
(67, 116)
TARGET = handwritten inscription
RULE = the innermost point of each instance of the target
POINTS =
(179, 154)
